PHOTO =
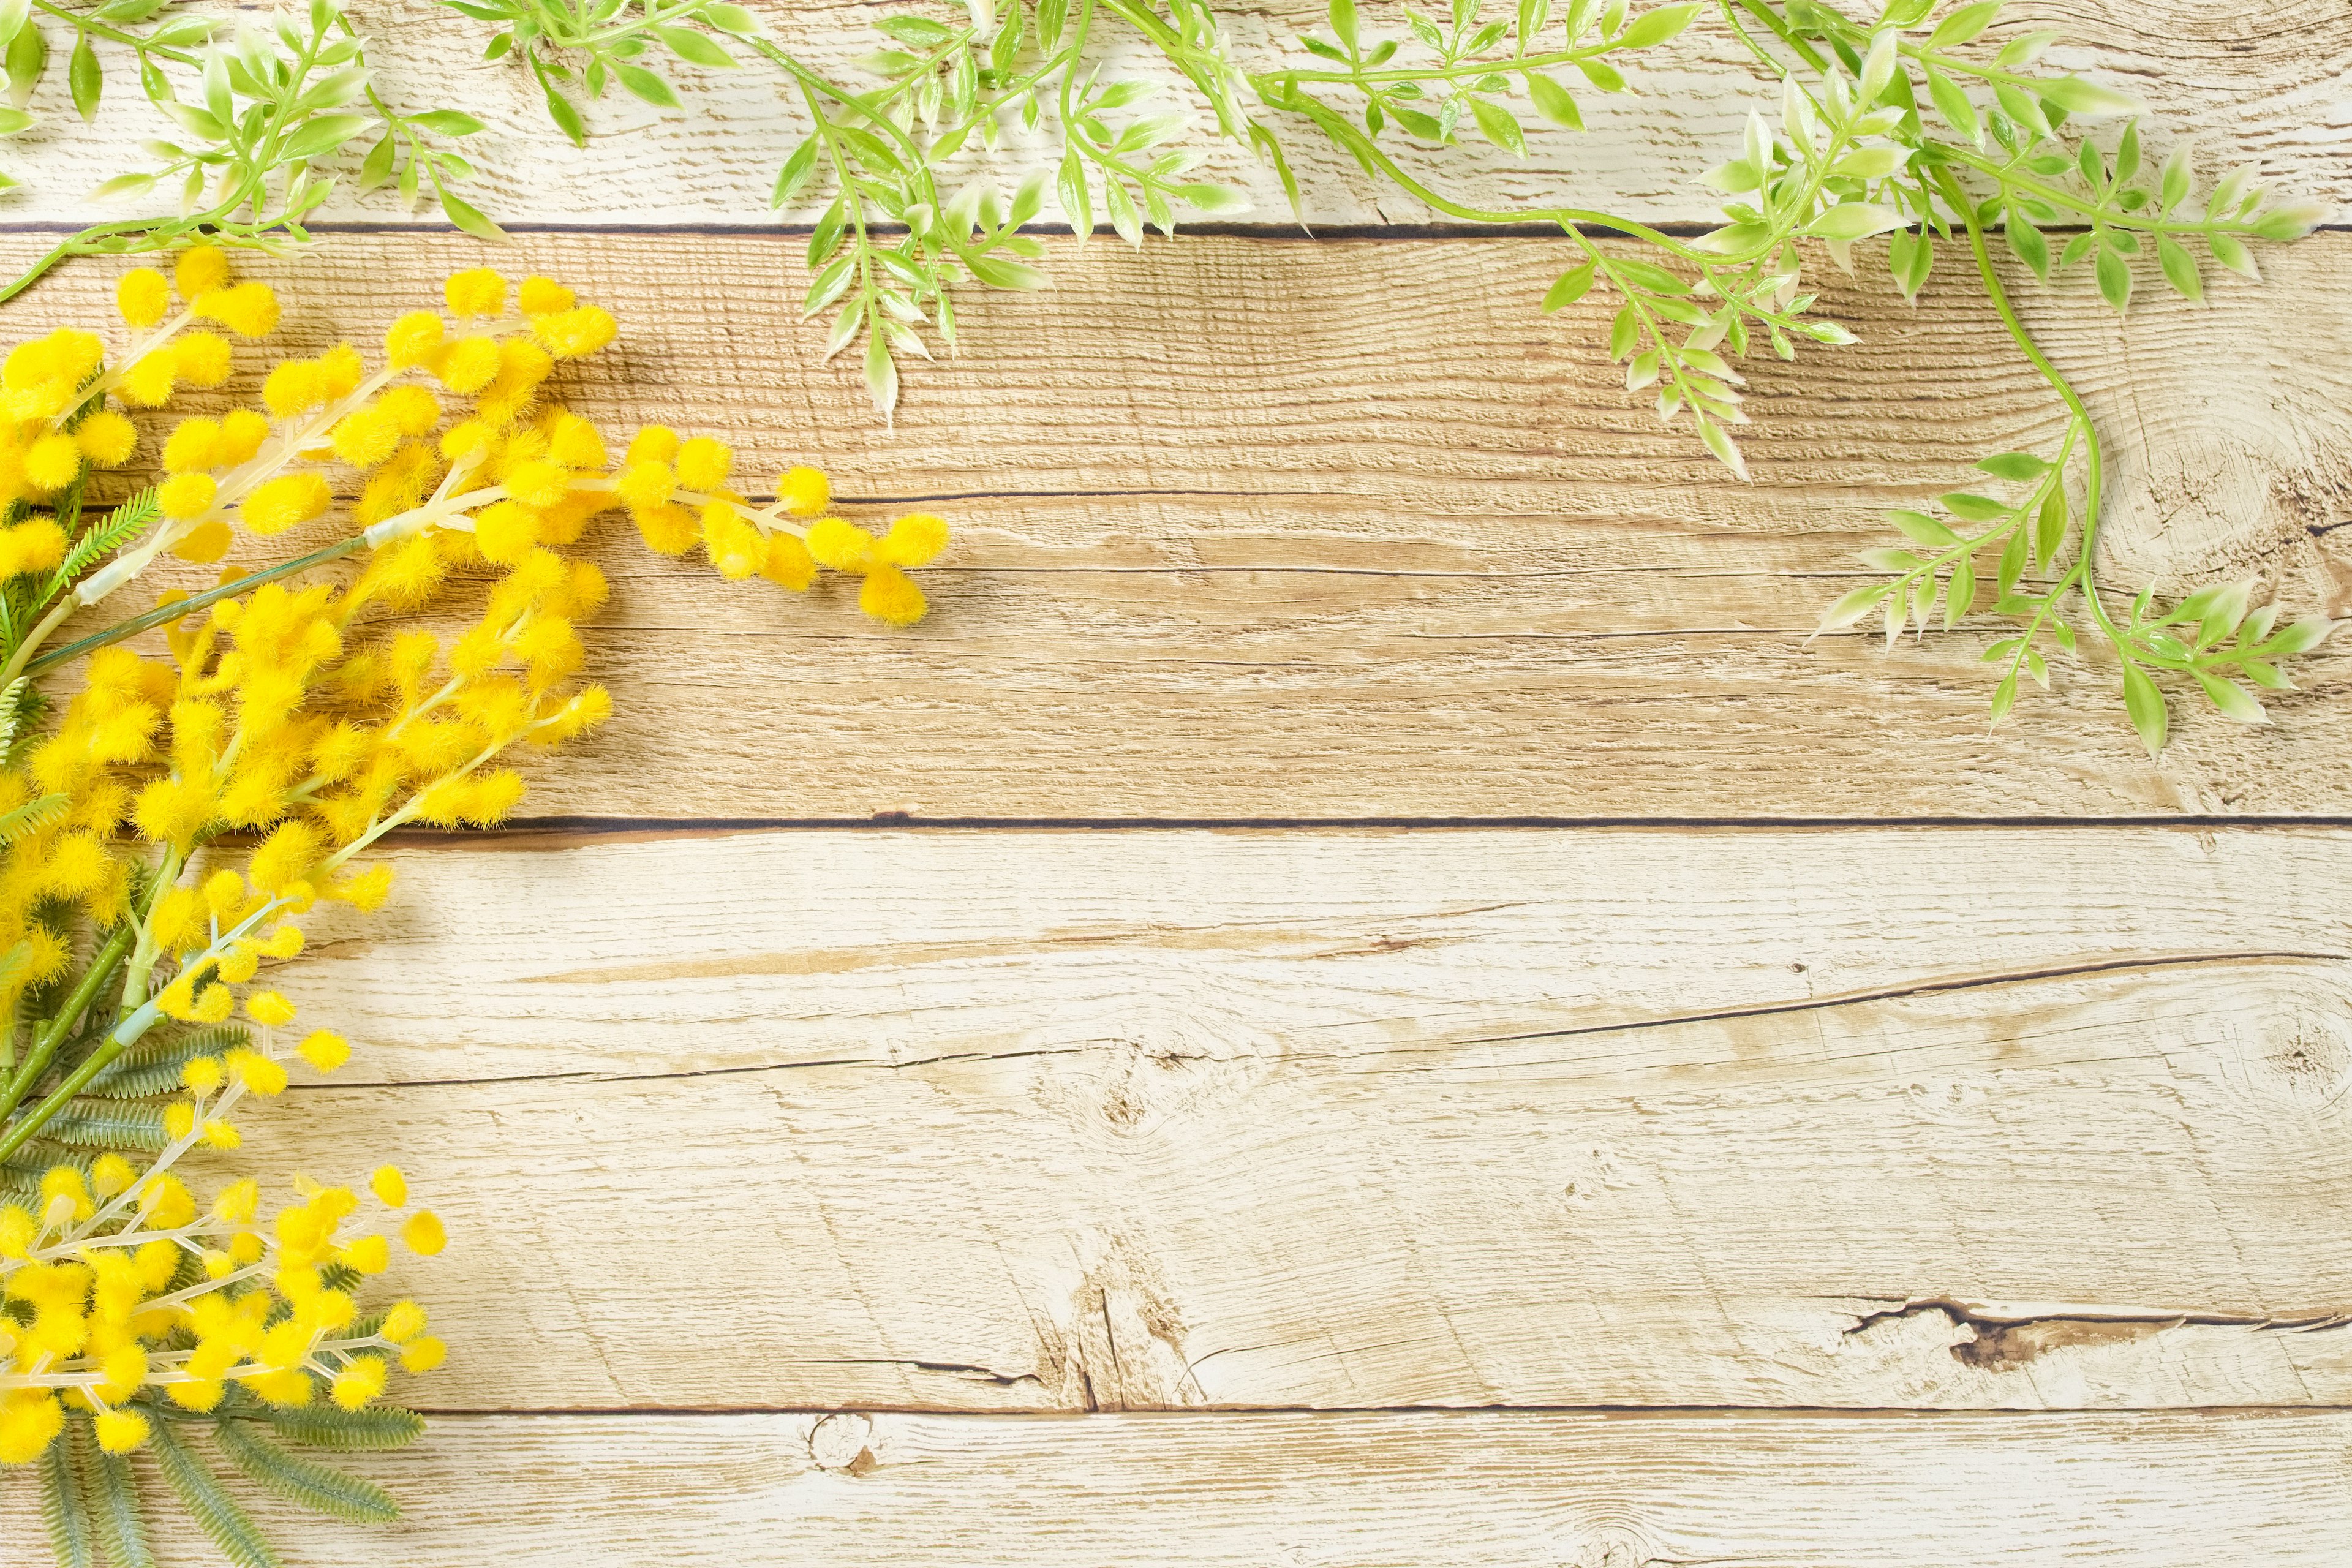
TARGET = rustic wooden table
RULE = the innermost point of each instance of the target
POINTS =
(1416, 1019)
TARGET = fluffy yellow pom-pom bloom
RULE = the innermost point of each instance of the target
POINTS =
(477, 292)
(890, 597)
(186, 495)
(204, 543)
(121, 1431)
(671, 530)
(249, 310)
(789, 563)
(289, 499)
(149, 380)
(844, 546)
(915, 540)
(107, 438)
(143, 295)
(324, 1049)
(542, 297)
(805, 492)
(469, 364)
(412, 339)
(201, 270)
(703, 464)
(391, 1187)
(568, 334)
(51, 462)
(202, 359)
(424, 1234)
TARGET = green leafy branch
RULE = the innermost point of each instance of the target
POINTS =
(268, 107)
(1913, 123)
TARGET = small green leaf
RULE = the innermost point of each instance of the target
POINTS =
(1953, 104)
(646, 85)
(2019, 467)
(2027, 242)
(1959, 597)
(1656, 26)
(881, 374)
(2233, 255)
(2174, 185)
(1851, 607)
(2115, 279)
(446, 122)
(2179, 267)
(467, 216)
(1921, 529)
(1553, 101)
(1973, 508)
(561, 109)
(794, 174)
(735, 19)
(2234, 700)
(2050, 525)
(2084, 100)
(1498, 125)
(1963, 25)
(1854, 220)
(2145, 705)
(2004, 697)
(1343, 22)
(84, 77)
(1567, 288)
(322, 134)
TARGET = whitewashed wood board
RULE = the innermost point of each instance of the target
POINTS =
(1391, 1490)
(2261, 82)
(1075, 1119)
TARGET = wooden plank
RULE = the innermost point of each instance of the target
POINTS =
(1061, 1120)
(1387, 502)
(2260, 81)
(1349, 1490)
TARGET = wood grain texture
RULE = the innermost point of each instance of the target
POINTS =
(2260, 81)
(1066, 1120)
(1256, 529)
(1477, 1489)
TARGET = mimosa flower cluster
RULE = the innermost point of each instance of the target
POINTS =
(294, 710)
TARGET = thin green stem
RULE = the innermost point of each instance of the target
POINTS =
(2083, 572)
(102, 965)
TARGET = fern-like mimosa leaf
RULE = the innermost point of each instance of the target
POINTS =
(71, 1537)
(110, 1497)
(319, 1488)
(214, 1510)
(377, 1428)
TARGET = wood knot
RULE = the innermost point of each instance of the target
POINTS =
(843, 1444)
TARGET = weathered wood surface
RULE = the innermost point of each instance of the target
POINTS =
(2263, 82)
(1269, 529)
(1482, 1489)
(1061, 1120)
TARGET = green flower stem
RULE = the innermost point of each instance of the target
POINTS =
(102, 965)
(2082, 573)
(83, 23)
(1364, 79)
(179, 607)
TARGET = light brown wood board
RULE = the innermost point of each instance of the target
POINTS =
(1268, 530)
